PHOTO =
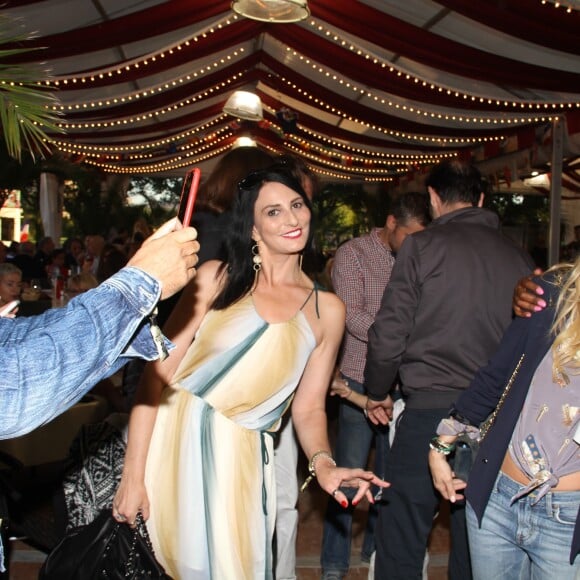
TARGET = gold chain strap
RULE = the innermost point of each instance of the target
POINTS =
(486, 425)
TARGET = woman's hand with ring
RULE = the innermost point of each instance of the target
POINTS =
(332, 479)
(129, 500)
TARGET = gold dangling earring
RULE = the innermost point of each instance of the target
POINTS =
(256, 258)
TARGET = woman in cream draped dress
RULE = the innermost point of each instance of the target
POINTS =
(252, 338)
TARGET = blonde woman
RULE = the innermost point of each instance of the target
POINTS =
(523, 493)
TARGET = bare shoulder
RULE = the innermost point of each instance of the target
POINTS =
(332, 312)
(210, 275)
(331, 302)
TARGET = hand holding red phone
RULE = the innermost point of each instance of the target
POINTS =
(188, 195)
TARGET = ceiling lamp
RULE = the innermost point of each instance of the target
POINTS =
(244, 105)
(282, 11)
(244, 142)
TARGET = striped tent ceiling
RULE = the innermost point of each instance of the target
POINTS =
(373, 89)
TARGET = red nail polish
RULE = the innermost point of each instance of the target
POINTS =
(344, 503)
(355, 502)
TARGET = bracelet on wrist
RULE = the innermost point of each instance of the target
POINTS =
(312, 466)
(366, 409)
(440, 447)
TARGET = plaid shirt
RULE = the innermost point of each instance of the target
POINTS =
(360, 273)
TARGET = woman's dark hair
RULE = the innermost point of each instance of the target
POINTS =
(298, 168)
(217, 193)
(239, 242)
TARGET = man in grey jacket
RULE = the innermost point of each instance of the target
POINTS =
(441, 318)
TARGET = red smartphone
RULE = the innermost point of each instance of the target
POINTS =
(188, 195)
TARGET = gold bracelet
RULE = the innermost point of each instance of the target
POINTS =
(312, 466)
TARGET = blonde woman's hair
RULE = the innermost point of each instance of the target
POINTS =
(566, 326)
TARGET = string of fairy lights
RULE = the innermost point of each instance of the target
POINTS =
(145, 150)
(120, 153)
(402, 135)
(168, 165)
(142, 61)
(400, 72)
(156, 144)
(392, 103)
(567, 5)
(168, 52)
(297, 144)
(151, 91)
(148, 115)
(428, 158)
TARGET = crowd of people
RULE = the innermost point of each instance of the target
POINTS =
(420, 310)
(79, 265)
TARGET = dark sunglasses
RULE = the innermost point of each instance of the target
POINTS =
(251, 180)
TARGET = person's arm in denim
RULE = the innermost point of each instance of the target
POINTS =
(50, 361)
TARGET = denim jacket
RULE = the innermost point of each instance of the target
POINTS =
(48, 362)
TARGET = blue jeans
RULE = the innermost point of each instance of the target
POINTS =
(523, 541)
(354, 439)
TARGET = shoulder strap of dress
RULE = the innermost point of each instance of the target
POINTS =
(315, 292)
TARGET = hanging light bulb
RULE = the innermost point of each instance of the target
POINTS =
(281, 11)
(244, 105)
(244, 142)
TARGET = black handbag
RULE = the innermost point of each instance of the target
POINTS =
(104, 549)
(463, 457)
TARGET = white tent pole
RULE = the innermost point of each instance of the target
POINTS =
(556, 190)
(50, 205)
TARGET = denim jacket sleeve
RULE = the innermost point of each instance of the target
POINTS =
(50, 361)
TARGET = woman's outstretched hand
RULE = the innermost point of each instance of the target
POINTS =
(331, 479)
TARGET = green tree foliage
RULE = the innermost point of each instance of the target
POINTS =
(160, 196)
(27, 109)
(345, 210)
(335, 215)
(519, 209)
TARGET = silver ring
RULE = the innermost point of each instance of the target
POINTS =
(335, 492)
(119, 517)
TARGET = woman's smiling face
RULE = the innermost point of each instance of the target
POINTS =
(281, 219)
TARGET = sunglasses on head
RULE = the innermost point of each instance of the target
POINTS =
(251, 180)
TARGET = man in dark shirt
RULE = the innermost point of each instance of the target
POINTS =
(441, 318)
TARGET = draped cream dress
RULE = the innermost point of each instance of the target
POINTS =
(210, 472)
